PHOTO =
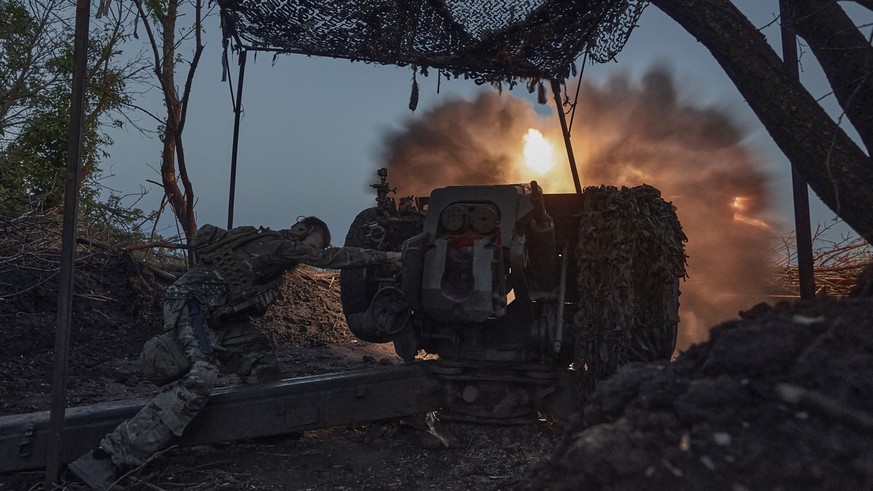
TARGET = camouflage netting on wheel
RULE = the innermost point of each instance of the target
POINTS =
(630, 255)
(487, 40)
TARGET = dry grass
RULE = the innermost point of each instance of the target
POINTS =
(837, 262)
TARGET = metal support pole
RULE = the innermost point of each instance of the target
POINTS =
(803, 233)
(68, 244)
(237, 109)
(556, 91)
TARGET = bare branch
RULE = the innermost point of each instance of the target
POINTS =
(152, 245)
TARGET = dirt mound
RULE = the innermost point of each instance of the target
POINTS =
(116, 308)
(308, 313)
(777, 400)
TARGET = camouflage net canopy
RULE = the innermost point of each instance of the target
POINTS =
(486, 40)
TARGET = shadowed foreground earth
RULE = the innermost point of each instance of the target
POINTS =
(780, 398)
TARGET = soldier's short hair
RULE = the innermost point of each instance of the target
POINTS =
(318, 225)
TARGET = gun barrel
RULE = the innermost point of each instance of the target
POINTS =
(536, 198)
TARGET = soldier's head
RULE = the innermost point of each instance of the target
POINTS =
(313, 232)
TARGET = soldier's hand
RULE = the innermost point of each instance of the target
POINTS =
(394, 257)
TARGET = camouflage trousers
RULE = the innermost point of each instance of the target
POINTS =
(239, 346)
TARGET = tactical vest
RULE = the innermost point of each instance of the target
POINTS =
(249, 292)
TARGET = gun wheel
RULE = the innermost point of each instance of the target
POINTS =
(358, 286)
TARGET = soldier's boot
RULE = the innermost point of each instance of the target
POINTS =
(95, 469)
(264, 372)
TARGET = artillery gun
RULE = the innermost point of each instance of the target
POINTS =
(501, 283)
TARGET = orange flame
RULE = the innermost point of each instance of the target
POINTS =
(740, 205)
(538, 153)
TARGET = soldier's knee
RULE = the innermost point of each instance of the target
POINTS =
(201, 378)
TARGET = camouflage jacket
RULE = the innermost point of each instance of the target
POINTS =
(267, 258)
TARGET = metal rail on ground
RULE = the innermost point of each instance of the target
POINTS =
(238, 412)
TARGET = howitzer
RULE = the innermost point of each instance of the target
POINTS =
(489, 285)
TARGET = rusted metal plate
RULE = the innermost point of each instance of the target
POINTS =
(240, 412)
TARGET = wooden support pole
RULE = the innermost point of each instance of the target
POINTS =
(556, 91)
(799, 186)
(68, 244)
(237, 109)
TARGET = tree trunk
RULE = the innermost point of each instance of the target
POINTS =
(168, 175)
(839, 172)
(844, 54)
(180, 201)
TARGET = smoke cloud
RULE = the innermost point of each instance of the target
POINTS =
(461, 143)
(625, 133)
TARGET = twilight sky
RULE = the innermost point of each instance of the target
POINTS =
(314, 129)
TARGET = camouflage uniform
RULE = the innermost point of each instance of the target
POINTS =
(237, 343)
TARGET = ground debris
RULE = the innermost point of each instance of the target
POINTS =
(767, 403)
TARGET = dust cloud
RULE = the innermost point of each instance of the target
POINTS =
(625, 133)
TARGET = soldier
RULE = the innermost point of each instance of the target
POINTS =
(207, 319)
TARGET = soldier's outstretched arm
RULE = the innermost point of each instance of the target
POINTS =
(292, 252)
(350, 257)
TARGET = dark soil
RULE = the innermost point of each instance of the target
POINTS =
(778, 400)
(721, 416)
